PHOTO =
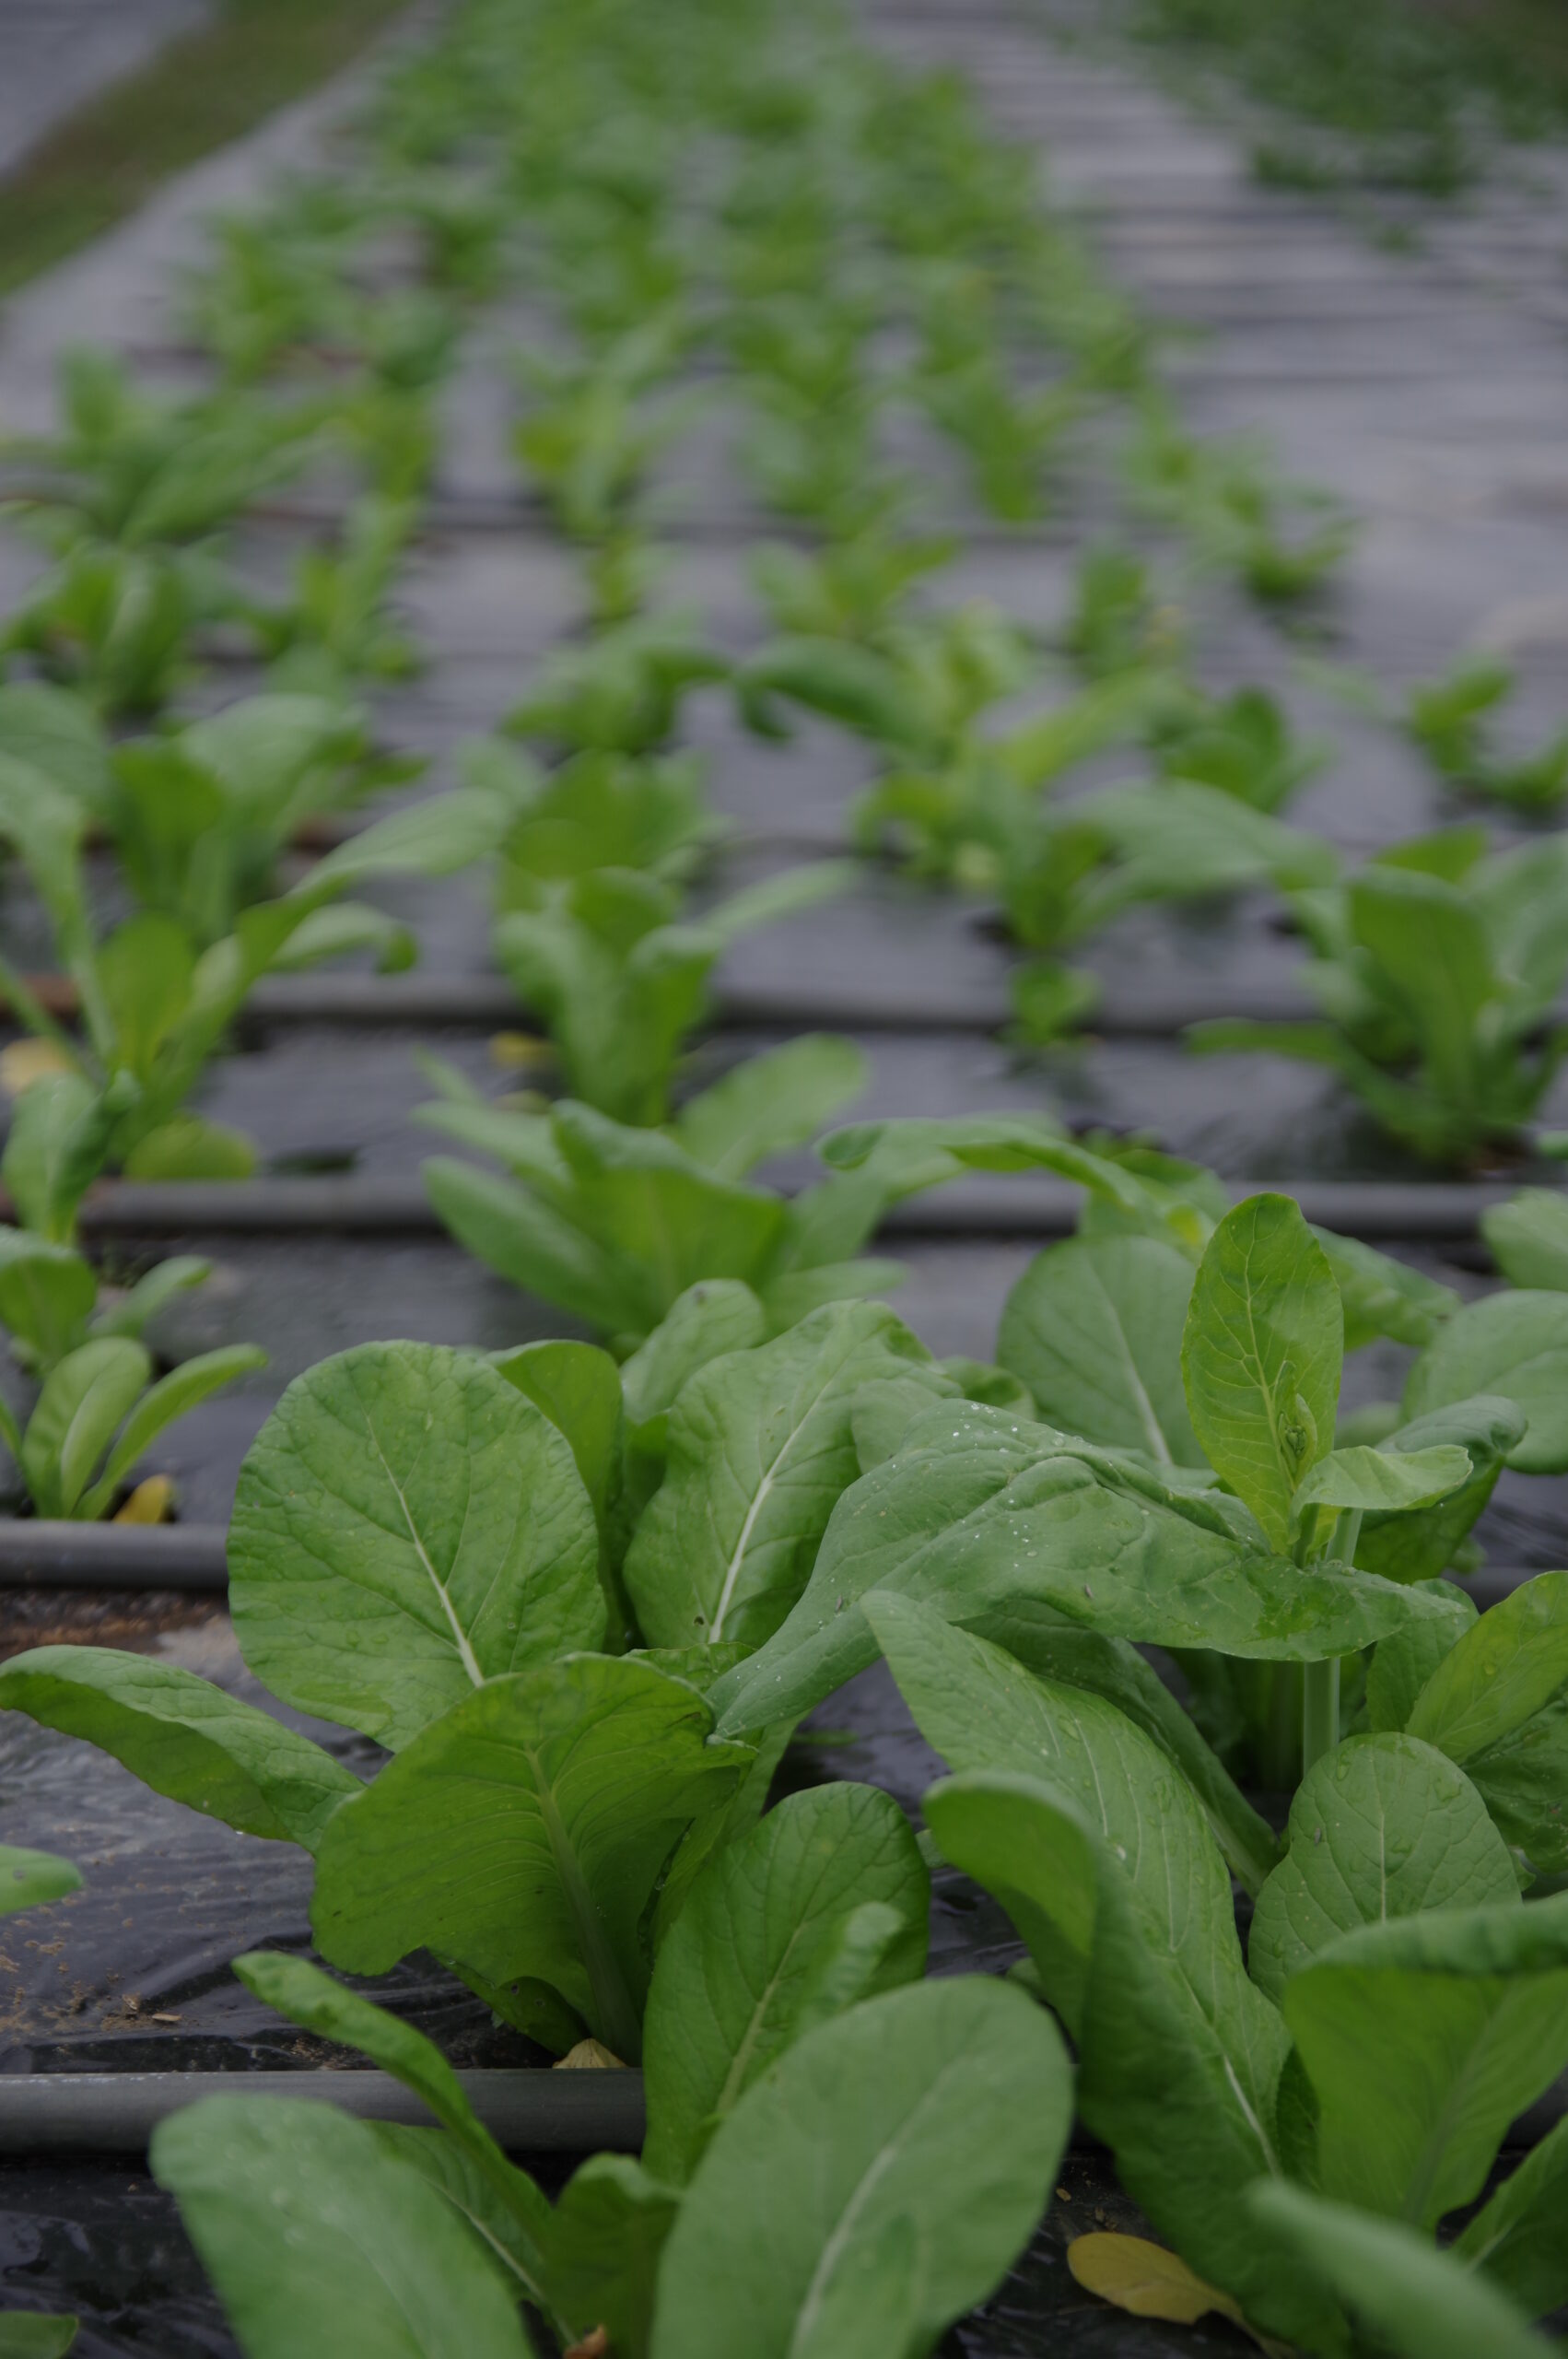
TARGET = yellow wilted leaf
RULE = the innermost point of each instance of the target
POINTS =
(590, 2056)
(1146, 2279)
(24, 1062)
(150, 1502)
(520, 1052)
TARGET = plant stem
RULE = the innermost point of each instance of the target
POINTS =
(1319, 1712)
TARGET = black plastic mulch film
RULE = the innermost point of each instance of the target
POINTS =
(336, 1244)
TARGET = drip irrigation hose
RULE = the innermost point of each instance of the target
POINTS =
(528, 2111)
(1015, 1205)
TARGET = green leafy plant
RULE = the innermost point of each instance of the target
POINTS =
(1448, 720)
(1243, 745)
(118, 623)
(140, 472)
(155, 1006)
(1437, 966)
(1226, 497)
(433, 2232)
(596, 810)
(624, 691)
(1202, 1405)
(594, 427)
(613, 1224)
(618, 977)
(339, 627)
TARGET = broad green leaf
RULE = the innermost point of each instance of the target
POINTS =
(979, 1509)
(406, 1526)
(173, 1396)
(1095, 1329)
(1511, 1662)
(924, 2125)
(296, 1988)
(718, 1315)
(430, 839)
(1383, 1826)
(745, 1965)
(1385, 1480)
(1528, 1238)
(183, 1737)
(1416, 1544)
(320, 2240)
(57, 1144)
(770, 1103)
(1433, 957)
(1403, 1664)
(1515, 1344)
(1515, 2240)
(759, 1448)
(60, 735)
(1423, 2037)
(46, 1292)
(885, 1410)
(81, 1405)
(1383, 1296)
(578, 1389)
(1157, 2080)
(1419, 2302)
(1524, 1782)
(512, 1231)
(451, 2171)
(606, 2238)
(524, 1834)
(1260, 1355)
(189, 1146)
(1052, 1648)
(145, 968)
(28, 1879)
(981, 1710)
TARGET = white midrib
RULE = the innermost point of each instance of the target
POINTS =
(1159, 1449)
(732, 1571)
(822, 2276)
(459, 1636)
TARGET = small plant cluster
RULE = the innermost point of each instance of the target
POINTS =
(584, 1605)
(1380, 100)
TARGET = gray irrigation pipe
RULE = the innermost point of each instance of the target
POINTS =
(36, 1554)
(528, 2111)
(1014, 1206)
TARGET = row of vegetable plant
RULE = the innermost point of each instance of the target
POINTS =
(584, 1595)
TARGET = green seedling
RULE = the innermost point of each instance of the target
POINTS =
(595, 427)
(1437, 967)
(596, 810)
(1238, 514)
(156, 1005)
(1449, 720)
(618, 978)
(624, 691)
(143, 473)
(339, 628)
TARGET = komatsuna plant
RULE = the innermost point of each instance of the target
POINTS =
(97, 1409)
(1222, 1451)
(1300, 2124)
(155, 1006)
(199, 817)
(646, 813)
(918, 2117)
(1450, 720)
(622, 693)
(614, 1223)
(1436, 965)
(618, 977)
(454, 1556)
